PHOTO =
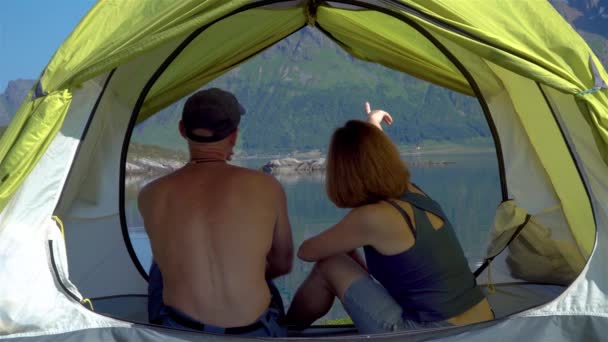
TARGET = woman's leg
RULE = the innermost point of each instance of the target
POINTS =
(328, 279)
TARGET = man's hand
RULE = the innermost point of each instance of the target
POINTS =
(375, 117)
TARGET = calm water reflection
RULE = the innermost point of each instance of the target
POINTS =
(468, 190)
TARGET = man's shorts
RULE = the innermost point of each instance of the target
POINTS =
(155, 294)
(373, 310)
(265, 326)
(158, 313)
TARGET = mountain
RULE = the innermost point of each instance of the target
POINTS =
(299, 90)
(11, 99)
(590, 19)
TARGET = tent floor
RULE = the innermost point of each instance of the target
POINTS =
(506, 300)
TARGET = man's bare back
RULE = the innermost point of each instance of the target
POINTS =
(212, 227)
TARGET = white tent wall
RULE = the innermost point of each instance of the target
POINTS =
(32, 301)
(564, 328)
(527, 181)
(540, 126)
(100, 264)
(99, 261)
(540, 199)
(587, 295)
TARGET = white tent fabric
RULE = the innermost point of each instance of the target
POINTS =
(31, 243)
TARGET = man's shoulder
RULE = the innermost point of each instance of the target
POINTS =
(257, 175)
(153, 187)
(257, 180)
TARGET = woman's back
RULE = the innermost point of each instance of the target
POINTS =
(430, 279)
(418, 259)
(427, 282)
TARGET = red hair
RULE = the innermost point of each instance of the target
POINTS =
(363, 166)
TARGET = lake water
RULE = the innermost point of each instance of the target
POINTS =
(468, 190)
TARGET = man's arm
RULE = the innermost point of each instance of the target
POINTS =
(143, 203)
(280, 257)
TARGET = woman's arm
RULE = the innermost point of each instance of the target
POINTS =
(358, 258)
(352, 232)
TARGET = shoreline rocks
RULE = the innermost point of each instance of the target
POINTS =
(146, 166)
(430, 163)
(292, 165)
(311, 166)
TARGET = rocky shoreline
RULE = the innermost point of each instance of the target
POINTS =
(146, 166)
(293, 165)
(155, 167)
(312, 166)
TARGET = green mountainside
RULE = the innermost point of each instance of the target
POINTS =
(590, 19)
(299, 90)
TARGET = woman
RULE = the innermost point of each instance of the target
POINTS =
(420, 275)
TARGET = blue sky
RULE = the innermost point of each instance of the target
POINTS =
(31, 31)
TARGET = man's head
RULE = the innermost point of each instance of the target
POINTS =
(210, 115)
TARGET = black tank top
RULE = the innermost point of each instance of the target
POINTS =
(431, 281)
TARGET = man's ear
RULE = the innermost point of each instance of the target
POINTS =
(234, 136)
(182, 130)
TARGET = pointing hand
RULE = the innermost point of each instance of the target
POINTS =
(376, 116)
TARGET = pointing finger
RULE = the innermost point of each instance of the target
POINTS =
(368, 108)
(389, 119)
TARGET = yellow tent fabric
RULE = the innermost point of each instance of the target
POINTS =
(552, 150)
(392, 43)
(39, 121)
(192, 68)
(116, 31)
(529, 38)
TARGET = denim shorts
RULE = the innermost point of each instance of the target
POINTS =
(373, 310)
(266, 326)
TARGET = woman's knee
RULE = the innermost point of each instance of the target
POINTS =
(334, 264)
(339, 271)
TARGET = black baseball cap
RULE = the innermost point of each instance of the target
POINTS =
(215, 110)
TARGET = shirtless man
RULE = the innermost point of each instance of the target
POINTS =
(218, 232)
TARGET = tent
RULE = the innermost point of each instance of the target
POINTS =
(541, 88)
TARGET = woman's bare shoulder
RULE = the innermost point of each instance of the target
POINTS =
(372, 215)
(383, 216)
(390, 232)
